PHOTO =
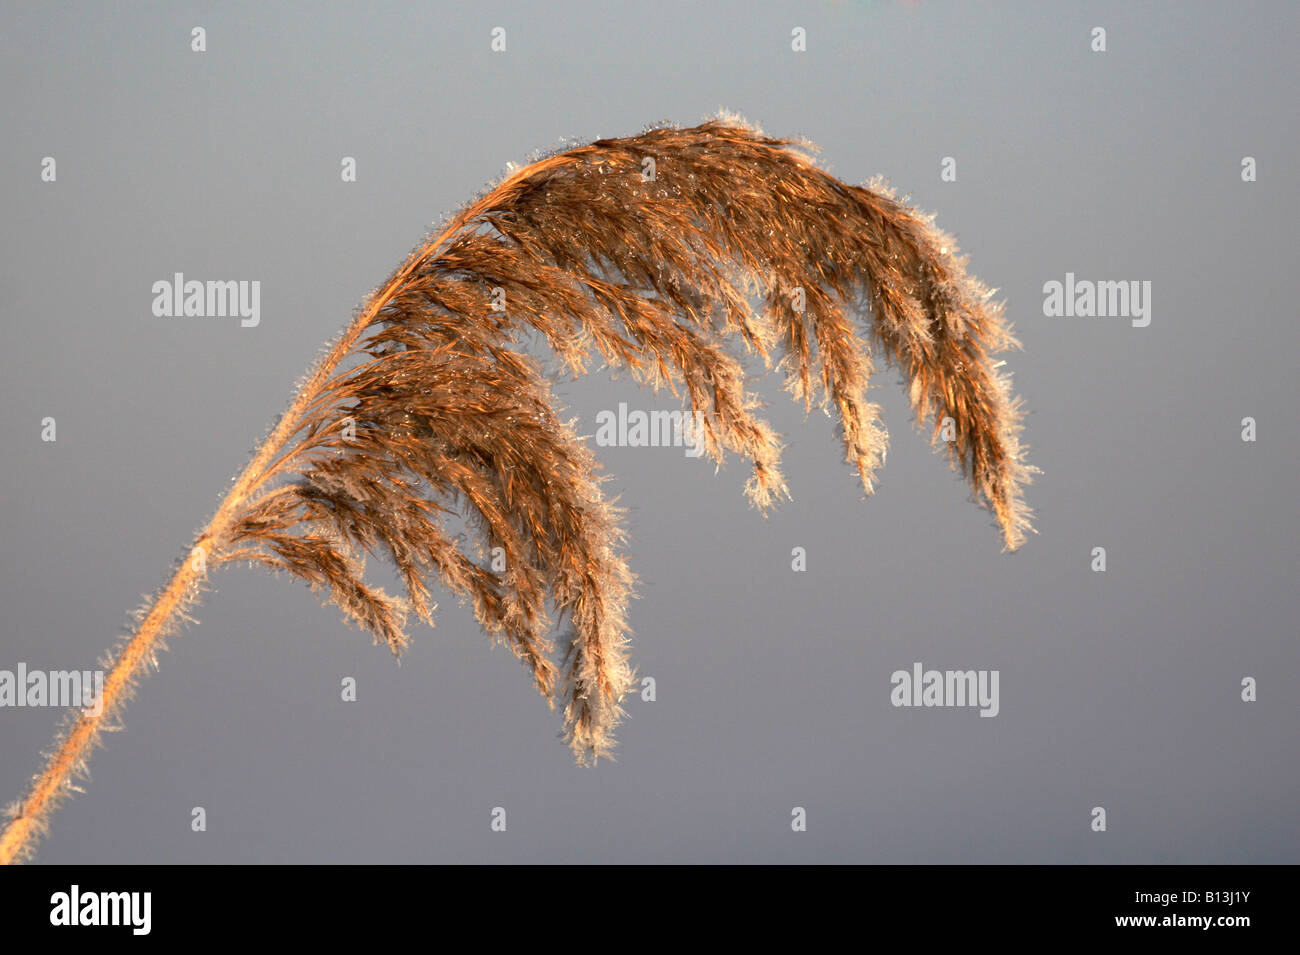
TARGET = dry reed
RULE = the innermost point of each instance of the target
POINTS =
(426, 400)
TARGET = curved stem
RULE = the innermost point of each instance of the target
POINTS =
(73, 750)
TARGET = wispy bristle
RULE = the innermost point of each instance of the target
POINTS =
(642, 253)
(654, 274)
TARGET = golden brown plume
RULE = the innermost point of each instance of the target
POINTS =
(645, 253)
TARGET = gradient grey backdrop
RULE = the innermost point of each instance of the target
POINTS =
(1118, 690)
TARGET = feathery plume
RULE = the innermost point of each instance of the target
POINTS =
(642, 253)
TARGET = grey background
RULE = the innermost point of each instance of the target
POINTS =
(1118, 690)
